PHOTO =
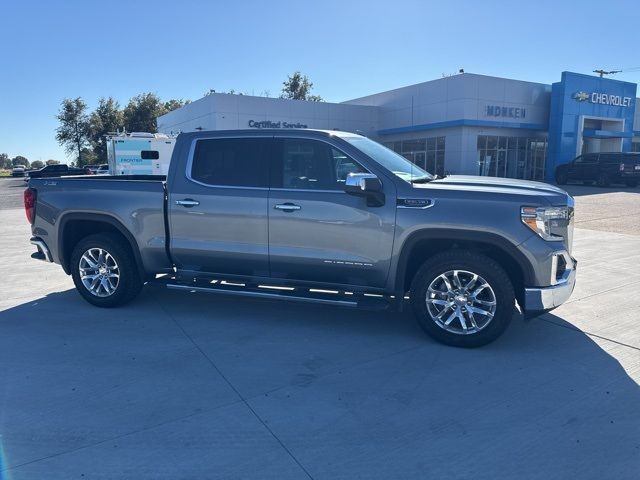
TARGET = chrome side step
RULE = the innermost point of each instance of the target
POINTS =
(293, 295)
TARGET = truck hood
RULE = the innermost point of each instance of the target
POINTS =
(555, 195)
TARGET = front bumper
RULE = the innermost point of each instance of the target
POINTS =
(539, 299)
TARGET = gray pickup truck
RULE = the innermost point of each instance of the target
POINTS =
(314, 216)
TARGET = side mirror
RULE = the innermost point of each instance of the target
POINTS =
(365, 185)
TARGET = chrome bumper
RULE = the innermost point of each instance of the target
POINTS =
(547, 298)
(43, 252)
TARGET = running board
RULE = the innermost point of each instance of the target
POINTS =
(296, 295)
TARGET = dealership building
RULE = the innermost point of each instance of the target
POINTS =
(463, 124)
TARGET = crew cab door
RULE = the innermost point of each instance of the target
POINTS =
(218, 208)
(317, 232)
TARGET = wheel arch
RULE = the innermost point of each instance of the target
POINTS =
(422, 245)
(73, 227)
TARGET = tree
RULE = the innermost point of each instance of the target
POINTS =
(5, 161)
(141, 112)
(298, 87)
(174, 104)
(20, 160)
(52, 162)
(89, 157)
(37, 164)
(74, 130)
(106, 118)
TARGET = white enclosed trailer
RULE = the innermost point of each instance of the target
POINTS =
(139, 153)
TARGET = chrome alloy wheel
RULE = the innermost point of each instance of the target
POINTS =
(99, 272)
(461, 302)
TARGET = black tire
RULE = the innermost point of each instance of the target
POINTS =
(603, 180)
(129, 282)
(487, 269)
(631, 183)
(561, 178)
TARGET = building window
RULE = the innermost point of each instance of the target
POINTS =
(512, 157)
(635, 147)
(427, 153)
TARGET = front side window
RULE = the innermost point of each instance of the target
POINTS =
(237, 162)
(313, 165)
(396, 164)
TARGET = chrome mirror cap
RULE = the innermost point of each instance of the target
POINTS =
(362, 182)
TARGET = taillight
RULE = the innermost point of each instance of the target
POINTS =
(30, 204)
(622, 167)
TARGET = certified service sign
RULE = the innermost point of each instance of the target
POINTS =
(603, 99)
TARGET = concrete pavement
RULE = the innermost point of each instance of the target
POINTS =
(190, 386)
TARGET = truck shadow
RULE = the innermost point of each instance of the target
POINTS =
(545, 393)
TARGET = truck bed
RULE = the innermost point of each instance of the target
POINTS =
(133, 203)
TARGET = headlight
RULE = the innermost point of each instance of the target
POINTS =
(545, 220)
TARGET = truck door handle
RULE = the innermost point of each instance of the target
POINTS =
(187, 202)
(287, 207)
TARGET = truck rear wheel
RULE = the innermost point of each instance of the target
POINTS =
(462, 298)
(104, 270)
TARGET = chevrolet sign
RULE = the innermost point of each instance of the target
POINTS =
(603, 99)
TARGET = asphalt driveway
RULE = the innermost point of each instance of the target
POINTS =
(189, 386)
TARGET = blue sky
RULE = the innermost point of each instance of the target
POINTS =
(180, 49)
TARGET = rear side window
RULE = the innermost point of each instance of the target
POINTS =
(589, 158)
(234, 162)
(149, 155)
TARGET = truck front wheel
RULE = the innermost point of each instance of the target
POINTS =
(462, 298)
(104, 270)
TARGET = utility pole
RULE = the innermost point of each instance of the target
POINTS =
(602, 73)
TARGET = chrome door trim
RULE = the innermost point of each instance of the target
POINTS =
(287, 207)
(187, 203)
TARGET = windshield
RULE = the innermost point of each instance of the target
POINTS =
(397, 164)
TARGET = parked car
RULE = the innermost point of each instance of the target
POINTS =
(243, 210)
(18, 171)
(602, 169)
(58, 170)
(99, 169)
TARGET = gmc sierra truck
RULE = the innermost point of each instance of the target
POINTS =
(314, 216)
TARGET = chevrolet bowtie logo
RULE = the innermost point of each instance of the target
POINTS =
(582, 96)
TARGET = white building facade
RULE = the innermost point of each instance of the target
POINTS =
(464, 124)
